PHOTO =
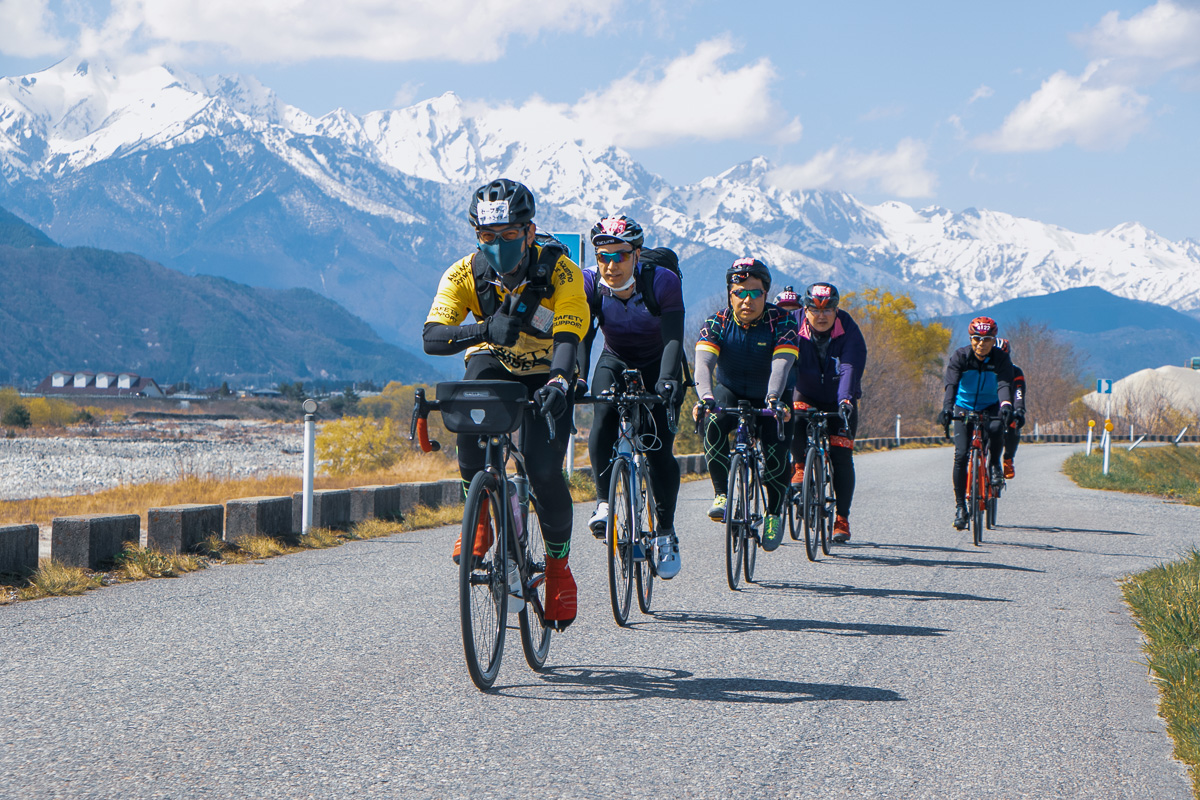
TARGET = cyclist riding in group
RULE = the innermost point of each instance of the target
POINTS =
(828, 377)
(1012, 433)
(745, 352)
(530, 311)
(637, 338)
(979, 377)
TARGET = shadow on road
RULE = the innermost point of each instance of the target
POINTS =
(845, 590)
(1056, 529)
(635, 683)
(858, 555)
(692, 622)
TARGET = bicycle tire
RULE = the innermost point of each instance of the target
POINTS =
(808, 491)
(976, 478)
(990, 516)
(619, 541)
(749, 538)
(795, 508)
(643, 572)
(483, 584)
(535, 633)
(828, 503)
(735, 517)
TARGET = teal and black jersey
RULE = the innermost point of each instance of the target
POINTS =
(977, 385)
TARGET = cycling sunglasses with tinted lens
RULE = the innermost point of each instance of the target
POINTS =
(507, 234)
(983, 338)
(613, 258)
(749, 294)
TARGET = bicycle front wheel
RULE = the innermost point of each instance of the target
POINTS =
(978, 483)
(737, 508)
(749, 537)
(828, 503)
(643, 571)
(482, 581)
(809, 503)
(535, 633)
(795, 512)
(620, 541)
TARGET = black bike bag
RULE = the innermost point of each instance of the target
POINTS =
(483, 407)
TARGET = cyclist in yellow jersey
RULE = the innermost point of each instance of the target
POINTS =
(530, 313)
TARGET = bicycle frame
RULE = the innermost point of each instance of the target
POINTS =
(981, 490)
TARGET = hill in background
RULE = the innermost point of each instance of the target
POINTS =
(83, 308)
(1118, 336)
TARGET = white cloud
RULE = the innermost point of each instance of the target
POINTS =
(1083, 111)
(26, 29)
(406, 94)
(982, 93)
(901, 173)
(400, 30)
(694, 97)
(1161, 38)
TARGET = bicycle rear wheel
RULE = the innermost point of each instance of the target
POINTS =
(736, 515)
(535, 633)
(643, 571)
(620, 541)
(483, 582)
(795, 512)
(808, 502)
(749, 537)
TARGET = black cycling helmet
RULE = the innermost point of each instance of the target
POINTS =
(501, 202)
(745, 268)
(618, 229)
(821, 295)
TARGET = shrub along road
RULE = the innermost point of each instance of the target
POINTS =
(910, 664)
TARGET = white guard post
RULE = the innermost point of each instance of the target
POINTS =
(1091, 427)
(897, 430)
(1108, 426)
(310, 408)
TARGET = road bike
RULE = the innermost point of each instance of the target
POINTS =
(745, 499)
(502, 555)
(811, 505)
(984, 486)
(633, 519)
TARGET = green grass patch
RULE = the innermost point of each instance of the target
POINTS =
(1166, 604)
(1169, 471)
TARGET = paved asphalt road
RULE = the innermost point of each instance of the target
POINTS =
(909, 665)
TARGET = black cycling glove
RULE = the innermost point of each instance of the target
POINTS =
(503, 330)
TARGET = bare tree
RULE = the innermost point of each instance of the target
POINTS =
(1053, 373)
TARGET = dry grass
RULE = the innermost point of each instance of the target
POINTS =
(138, 563)
(52, 579)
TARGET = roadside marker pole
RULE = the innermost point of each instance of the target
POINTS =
(897, 430)
(1108, 426)
(310, 408)
(1091, 427)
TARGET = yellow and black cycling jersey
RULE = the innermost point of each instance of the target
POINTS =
(565, 310)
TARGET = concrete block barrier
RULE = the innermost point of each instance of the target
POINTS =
(179, 529)
(257, 516)
(452, 492)
(377, 502)
(429, 494)
(18, 549)
(91, 540)
(330, 509)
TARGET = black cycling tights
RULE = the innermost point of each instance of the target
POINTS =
(543, 456)
(841, 453)
(962, 449)
(664, 469)
(774, 447)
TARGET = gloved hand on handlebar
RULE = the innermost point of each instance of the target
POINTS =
(668, 390)
(706, 404)
(1006, 414)
(783, 411)
(503, 330)
(943, 418)
(581, 387)
(1019, 418)
(845, 409)
(551, 399)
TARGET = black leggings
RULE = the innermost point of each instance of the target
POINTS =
(664, 469)
(841, 453)
(1012, 438)
(962, 449)
(774, 448)
(543, 456)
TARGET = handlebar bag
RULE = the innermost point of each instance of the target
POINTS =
(484, 407)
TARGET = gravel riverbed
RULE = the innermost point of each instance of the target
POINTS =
(111, 455)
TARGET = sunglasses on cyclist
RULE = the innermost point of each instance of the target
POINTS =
(507, 234)
(983, 339)
(613, 258)
(749, 294)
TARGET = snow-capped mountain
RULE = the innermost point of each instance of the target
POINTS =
(217, 175)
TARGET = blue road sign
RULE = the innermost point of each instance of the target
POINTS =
(1104, 386)
(574, 243)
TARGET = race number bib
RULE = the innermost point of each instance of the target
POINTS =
(492, 212)
(543, 318)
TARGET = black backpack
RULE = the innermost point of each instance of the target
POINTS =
(539, 287)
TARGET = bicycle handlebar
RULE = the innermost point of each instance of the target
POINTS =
(419, 428)
(628, 399)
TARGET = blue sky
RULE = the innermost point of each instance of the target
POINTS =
(1084, 114)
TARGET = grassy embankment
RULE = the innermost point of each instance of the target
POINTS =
(1166, 599)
